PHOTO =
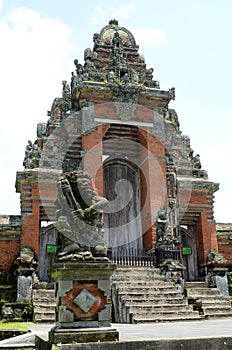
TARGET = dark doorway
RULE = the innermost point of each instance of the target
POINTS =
(122, 218)
(48, 236)
(188, 239)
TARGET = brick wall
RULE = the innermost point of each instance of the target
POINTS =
(224, 237)
(9, 248)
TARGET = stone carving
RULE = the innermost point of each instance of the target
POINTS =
(41, 130)
(172, 117)
(96, 40)
(26, 266)
(56, 110)
(113, 22)
(79, 219)
(165, 239)
(196, 162)
(171, 184)
(125, 93)
(26, 259)
(28, 151)
(172, 93)
(66, 97)
(125, 111)
(161, 226)
(32, 155)
(186, 142)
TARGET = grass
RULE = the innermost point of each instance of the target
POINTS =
(22, 326)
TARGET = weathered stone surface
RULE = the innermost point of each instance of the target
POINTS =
(222, 284)
(212, 343)
(83, 335)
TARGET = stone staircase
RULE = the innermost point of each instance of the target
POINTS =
(44, 302)
(142, 295)
(212, 303)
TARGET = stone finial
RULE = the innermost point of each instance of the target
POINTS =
(113, 22)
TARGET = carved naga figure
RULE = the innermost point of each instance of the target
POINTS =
(79, 219)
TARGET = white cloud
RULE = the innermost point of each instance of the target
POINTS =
(122, 12)
(150, 36)
(99, 15)
(34, 55)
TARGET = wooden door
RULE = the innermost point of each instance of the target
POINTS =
(122, 218)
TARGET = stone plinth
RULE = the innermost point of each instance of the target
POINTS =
(83, 311)
(82, 335)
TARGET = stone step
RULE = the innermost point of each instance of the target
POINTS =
(164, 308)
(137, 277)
(165, 293)
(143, 295)
(195, 285)
(164, 312)
(214, 298)
(147, 283)
(44, 303)
(216, 310)
(155, 301)
(218, 315)
(122, 271)
(144, 286)
(218, 303)
(193, 292)
(45, 318)
(47, 306)
(165, 318)
(147, 289)
(214, 304)
(42, 297)
(46, 292)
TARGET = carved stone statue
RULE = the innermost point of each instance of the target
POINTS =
(79, 219)
(41, 130)
(32, 155)
(28, 151)
(149, 74)
(196, 162)
(161, 226)
(117, 41)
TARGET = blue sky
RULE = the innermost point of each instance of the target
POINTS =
(187, 42)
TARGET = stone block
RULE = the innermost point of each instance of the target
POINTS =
(105, 314)
(63, 287)
(83, 335)
(65, 315)
(104, 286)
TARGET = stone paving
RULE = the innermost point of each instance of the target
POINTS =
(133, 332)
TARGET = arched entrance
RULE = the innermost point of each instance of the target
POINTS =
(122, 218)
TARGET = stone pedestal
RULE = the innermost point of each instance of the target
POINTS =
(83, 312)
(221, 280)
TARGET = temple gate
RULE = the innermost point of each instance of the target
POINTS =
(114, 122)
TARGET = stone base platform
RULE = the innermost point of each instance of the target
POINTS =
(200, 335)
(213, 343)
(76, 336)
(83, 335)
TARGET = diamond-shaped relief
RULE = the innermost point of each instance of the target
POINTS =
(85, 300)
